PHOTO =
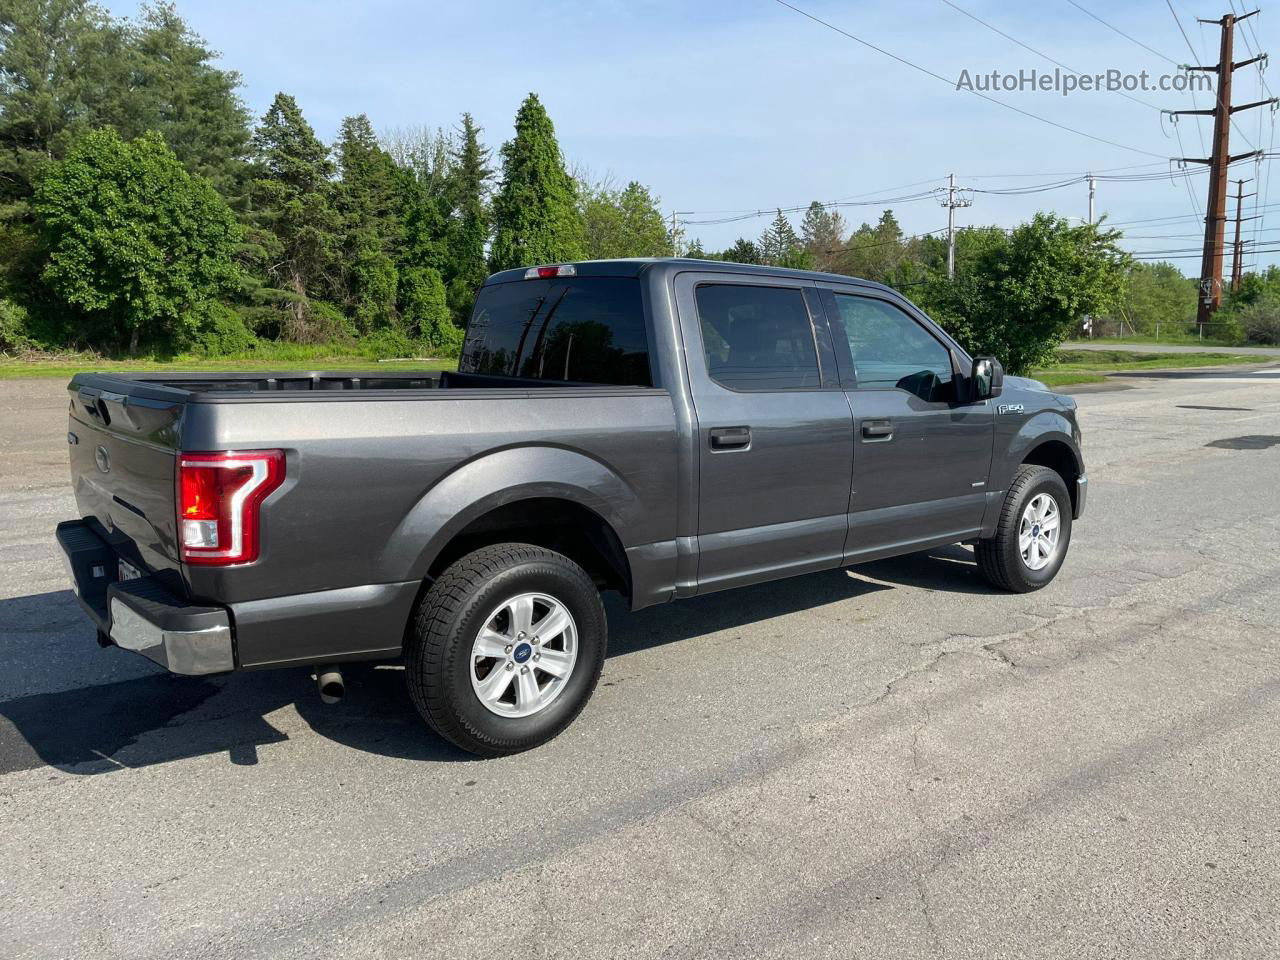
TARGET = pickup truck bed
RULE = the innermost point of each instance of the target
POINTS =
(667, 427)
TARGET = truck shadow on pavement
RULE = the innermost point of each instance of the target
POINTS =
(85, 727)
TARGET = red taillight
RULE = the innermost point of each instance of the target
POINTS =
(218, 499)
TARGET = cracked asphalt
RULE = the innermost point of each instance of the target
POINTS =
(888, 762)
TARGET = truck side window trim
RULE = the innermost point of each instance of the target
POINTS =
(819, 375)
(844, 354)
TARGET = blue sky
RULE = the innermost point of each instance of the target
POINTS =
(743, 105)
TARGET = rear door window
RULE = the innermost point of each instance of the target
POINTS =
(757, 337)
(572, 330)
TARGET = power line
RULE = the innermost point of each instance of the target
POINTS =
(1038, 53)
(952, 83)
(1194, 56)
(1191, 87)
(1110, 26)
(1059, 173)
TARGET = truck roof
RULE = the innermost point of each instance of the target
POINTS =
(635, 266)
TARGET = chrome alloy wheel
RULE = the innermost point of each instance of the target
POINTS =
(1038, 531)
(524, 655)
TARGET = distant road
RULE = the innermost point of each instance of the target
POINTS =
(1169, 348)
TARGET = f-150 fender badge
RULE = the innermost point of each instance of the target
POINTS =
(1009, 408)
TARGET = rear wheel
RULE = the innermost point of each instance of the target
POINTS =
(1032, 535)
(506, 648)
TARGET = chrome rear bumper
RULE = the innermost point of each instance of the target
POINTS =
(141, 615)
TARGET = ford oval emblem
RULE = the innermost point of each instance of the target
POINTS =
(102, 459)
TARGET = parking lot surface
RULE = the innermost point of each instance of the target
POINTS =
(890, 761)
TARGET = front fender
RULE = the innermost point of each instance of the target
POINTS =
(1014, 440)
(505, 476)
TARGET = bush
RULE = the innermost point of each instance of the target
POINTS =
(13, 328)
(223, 333)
(1260, 321)
(388, 344)
(447, 341)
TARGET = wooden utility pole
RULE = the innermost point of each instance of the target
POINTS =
(1237, 247)
(1215, 222)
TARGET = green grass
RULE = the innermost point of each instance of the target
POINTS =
(1093, 366)
(283, 358)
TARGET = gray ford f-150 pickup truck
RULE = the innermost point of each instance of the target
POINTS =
(664, 428)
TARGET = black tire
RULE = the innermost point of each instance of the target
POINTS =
(438, 660)
(999, 558)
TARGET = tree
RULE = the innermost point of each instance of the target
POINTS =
(874, 252)
(779, 241)
(58, 65)
(66, 67)
(623, 223)
(57, 60)
(1027, 291)
(173, 87)
(1155, 293)
(367, 201)
(695, 252)
(468, 180)
(822, 236)
(294, 202)
(140, 246)
(535, 213)
(742, 251)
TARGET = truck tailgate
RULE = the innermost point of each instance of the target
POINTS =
(122, 471)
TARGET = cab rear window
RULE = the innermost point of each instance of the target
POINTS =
(565, 329)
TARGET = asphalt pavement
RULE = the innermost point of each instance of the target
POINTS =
(888, 762)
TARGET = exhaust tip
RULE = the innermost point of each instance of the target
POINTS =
(330, 684)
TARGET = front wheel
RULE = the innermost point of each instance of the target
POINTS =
(506, 648)
(1032, 535)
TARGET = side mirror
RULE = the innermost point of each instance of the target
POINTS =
(987, 379)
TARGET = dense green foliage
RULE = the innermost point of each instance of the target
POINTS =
(136, 246)
(1026, 291)
(142, 208)
(1156, 297)
(535, 212)
(1255, 307)
(623, 223)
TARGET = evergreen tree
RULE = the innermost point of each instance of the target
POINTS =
(469, 179)
(367, 200)
(174, 88)
(778, 241)
(822, 235)
(742, 251)
(136, 244)
(695, 251)
(294, 202)
(875, 252)
(58, 69)
(58, 59)
(535, 214)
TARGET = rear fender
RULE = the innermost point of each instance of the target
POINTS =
(495, 479)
